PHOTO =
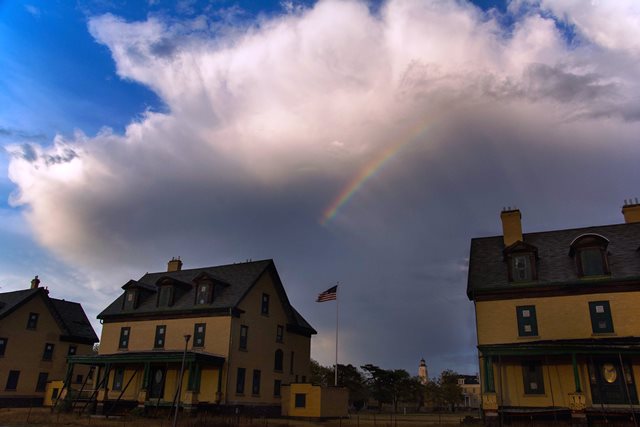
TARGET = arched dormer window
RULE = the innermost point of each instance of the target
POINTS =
(590, 253)
(278, 361)
(521, 260)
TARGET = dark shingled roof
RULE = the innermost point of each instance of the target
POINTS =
(69, 315)
(9, 301)
(488, 269)
(233, 282)
(74, 319)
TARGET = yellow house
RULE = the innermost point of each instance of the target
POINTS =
(557, 319)
(233, 326)
(37, 333)
(470, 386)
(314, 401)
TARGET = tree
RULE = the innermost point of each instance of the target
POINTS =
(450, 390)
(321, 375)
(350, 377)
(391, 386)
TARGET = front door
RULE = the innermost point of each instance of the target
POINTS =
(610, 383)
(158, 375)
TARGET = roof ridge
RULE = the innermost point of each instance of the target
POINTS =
(558, 230)
(212, 266)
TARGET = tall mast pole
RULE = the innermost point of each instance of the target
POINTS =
(336, 369)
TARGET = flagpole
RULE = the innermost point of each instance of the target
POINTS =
(337, 299)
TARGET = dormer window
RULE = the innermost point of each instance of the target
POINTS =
(130, 299)
(205, 293)
(165, 298)
(521, 268)
(590, 253)
(521, 262)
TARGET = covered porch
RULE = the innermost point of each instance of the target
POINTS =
(564, 379)
(151, 378)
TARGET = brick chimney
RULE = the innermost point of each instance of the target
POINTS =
(631, 211)
(511, 225)
(35, 282)
(174, 265)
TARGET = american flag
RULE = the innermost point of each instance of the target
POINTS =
(329, 295)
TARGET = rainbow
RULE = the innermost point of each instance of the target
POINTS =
(370, 170)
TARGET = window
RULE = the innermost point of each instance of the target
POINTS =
(198, 334)
(165, 299)
(592, 262)
(124, 338)
(304, 379)
(527, 322)
(532, 376)
(79, 379)
(600, 317)
(3, 346)
(590, 253)
(291, 363)
(521, 268)
(255, 385)
(244, 333)
(160, 336)
(264, 308)
(276, 388)
(12, 380)
(301, 400)
(48, 352)
(72, 350)
(277, 365)
(240, 381)
(42, 381)
(131, 299)
(279, 333)
(32, 322)
(118, 378)
(521, 262)
(204, 294)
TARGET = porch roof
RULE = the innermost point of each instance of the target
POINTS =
(147, 357)
(595, 346)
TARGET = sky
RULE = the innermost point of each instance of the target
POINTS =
(356, 142)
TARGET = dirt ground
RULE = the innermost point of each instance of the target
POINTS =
(14, 417)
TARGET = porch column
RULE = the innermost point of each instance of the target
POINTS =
(577, 401)
(103, 394)
(143, 393)
(489, 382)
(576, 373)
(489, 397)
(191, 395)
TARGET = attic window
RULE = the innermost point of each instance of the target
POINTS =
(521, 268)
(521, 262)
(165, 298)
(590, 253)
(131, 299)
(205, 293)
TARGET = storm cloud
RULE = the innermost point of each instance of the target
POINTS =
(268, 122)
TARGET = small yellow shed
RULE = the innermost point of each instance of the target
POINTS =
(304, 400)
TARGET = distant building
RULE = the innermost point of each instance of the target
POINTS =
(558, 320)
(423, 374)
(245, 340)
(470, 385)
(37, 333)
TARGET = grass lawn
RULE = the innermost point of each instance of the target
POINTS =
(11, 417)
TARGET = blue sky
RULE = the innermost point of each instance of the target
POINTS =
(231, 141)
